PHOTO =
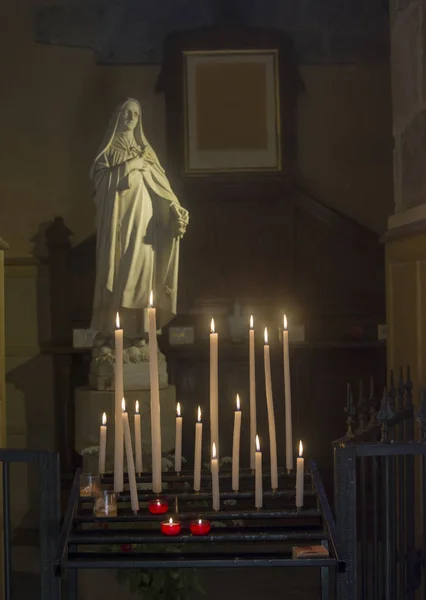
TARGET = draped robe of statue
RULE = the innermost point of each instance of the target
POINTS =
(137, 245)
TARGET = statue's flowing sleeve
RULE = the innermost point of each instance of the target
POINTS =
(110, 177)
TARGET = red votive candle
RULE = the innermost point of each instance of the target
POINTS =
(200, 527)
(158, 506)
(170, 527)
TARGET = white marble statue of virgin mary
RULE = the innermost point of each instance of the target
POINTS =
(139, 225)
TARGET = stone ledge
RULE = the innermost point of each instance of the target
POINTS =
(408, 222)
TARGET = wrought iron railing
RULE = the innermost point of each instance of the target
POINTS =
(380, 494)
(49, 484)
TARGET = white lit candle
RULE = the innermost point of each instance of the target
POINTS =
(102, 445)
(197, 452)
(300, 477)
(178, 440)
(271, 414)
(287, 392)
(236, 448)
(129, 455)
(215, 479)
(155, 399)
(214, 393)
(252, 371)
(119, 393)
(258, 491)
(138, 439)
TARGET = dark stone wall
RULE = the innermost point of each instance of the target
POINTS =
(133, 31)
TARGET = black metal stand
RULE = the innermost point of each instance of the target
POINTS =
(241, 536)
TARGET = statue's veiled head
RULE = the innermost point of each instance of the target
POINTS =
(129, 116)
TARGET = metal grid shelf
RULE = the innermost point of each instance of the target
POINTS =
(241, 536)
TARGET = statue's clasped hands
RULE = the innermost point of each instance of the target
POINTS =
(181, 219)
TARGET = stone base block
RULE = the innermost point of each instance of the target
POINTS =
(89, 406)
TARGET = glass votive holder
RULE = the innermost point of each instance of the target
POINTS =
(200, 527)
(170, 527)
(105, 504)
(159, 506)
(89, 485)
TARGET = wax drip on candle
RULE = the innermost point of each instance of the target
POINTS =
(266, 336)
(212, 328)
(300, 449)
(151, 299)
(257, 444)
(137, 407)
(251, 322)
(178, 409)
(214, 450)
(285, 323)
(199, 414)
(238, 402)
(117, 321)
(104, 419)
(123, 405)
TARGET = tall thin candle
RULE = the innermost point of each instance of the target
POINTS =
(130, 463)
(236, 448)
(271, 414)
(252, 373)
(287, 392)
(214, 393)
(138, 439)
(215, 479)
(258, 494)
(119, 392)
(300, 477)
(155, 399)
(178, 440)
(102, 444)
(197, 452)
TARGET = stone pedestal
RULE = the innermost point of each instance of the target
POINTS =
(89, 406)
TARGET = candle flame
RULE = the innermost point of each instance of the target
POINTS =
(300, 449)
(178, 409)
(257, 444)
(199, 521)
(137, 407)
(123, 405)
(199, 414)
(238, 402)
(212, 328)
(151, 299)
(104, 419)
(214, 450)
(158, 502)
(285, 323)
(251, 322)
(171, 521)
(117, 321)
(266, 335)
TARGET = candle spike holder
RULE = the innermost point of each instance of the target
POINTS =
(372, 405)
(384, 416)
(350, 410)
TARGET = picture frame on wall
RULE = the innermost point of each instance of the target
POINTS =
(231, 111)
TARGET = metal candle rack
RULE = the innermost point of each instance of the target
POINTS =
(241, 536)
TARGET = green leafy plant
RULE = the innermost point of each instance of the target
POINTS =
(159, 584)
